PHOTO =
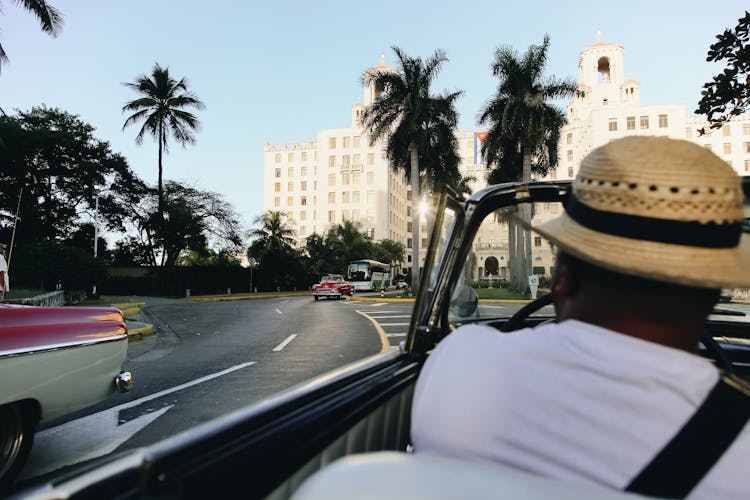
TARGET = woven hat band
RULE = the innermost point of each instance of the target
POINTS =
(690, 233)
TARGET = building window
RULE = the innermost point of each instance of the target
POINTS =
(688, 133)
(370, 197)
(727, 148)
(356, 141)
(289, 201)
(290, 157)
(570, 155)
(424, 242)
(537, 241)
(345, 159)
(277, 187)
(644, 122)
(303, 230)
(408, 243)
(290, 172)
(371, 215)
(277, 173)
(630, 123)
(371, 177)
(747, 165)
(371, 158)
(356, 178)
(290, 187)
(746, 147)
(331, 161)
(331, 143)
(570, 171)
(303, 186)
(613, 124)
(355, 196)
(356, 160)
(605, 102)
(303, 201)
(331, 216)
(331, 197)
(303, 156)
(569, 139)
(663, 123)
(345, 197)
(277, 202)
(346, 142)
(345, 178)
(331, 179)
(726, 130)
(355, 215)
(303, 171)
(408, 227)
(277, 158)
(345, 215)
(746, 129)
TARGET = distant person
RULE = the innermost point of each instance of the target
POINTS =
(651, 232)
(4, 279)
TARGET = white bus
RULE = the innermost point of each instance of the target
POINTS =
(368, 274)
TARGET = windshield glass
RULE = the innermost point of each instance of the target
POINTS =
(359, 272)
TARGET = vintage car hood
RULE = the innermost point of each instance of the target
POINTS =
(30, 327)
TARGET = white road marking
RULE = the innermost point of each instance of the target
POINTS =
(394, 324)
(397, 316)
(279, 311)
(395, 335)
(99, 433)
(284, 343)
(285, 301)
(378, 304)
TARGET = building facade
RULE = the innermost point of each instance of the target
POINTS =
(341, 176)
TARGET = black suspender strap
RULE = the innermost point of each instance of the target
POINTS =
(688, 457)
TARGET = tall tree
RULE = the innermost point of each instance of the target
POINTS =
(524, 125)
(348, 243)
(161, 108)
(52, 159)
(279, 263)
(728, 94)
(50, 20)
(410, 118)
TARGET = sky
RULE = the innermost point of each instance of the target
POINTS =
(279, 71)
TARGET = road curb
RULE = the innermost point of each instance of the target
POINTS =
(137, 331)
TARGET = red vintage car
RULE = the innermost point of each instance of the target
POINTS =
(332, 286)
(54, 361)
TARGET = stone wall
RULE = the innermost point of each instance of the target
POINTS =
(51, 299)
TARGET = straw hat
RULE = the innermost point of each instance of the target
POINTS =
(658, 208)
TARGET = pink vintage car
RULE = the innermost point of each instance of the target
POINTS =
(53, 361)
(332, 286)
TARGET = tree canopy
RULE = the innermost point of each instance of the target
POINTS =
(728, 93)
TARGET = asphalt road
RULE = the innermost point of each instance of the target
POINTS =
(208, 359)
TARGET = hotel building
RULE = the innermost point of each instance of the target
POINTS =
(341, 176)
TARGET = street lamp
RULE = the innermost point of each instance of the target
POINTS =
(252, 263)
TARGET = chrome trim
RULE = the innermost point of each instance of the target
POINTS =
(65, 345)
(124, 382)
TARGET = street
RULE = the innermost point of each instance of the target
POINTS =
(209, 359)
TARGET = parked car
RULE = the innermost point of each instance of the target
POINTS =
(332, 286)
(54, 361)
(270, 448)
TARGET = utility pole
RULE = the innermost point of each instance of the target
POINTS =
(15, 223)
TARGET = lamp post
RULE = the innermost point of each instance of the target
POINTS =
(252, 263)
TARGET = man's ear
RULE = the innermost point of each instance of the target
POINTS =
(564, 279)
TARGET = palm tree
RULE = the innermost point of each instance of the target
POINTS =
(49, 18)
(273, 236)
(348, 243)
(160, 107)
(411, 119)
(523, 125)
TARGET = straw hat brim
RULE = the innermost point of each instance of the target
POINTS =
(679, 264)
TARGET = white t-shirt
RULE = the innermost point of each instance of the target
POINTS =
(4, 270)
(570, 401)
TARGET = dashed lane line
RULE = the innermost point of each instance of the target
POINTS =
(394, 324)
(279, 311)
(284, 343)
(394, 316)
(395, 334)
